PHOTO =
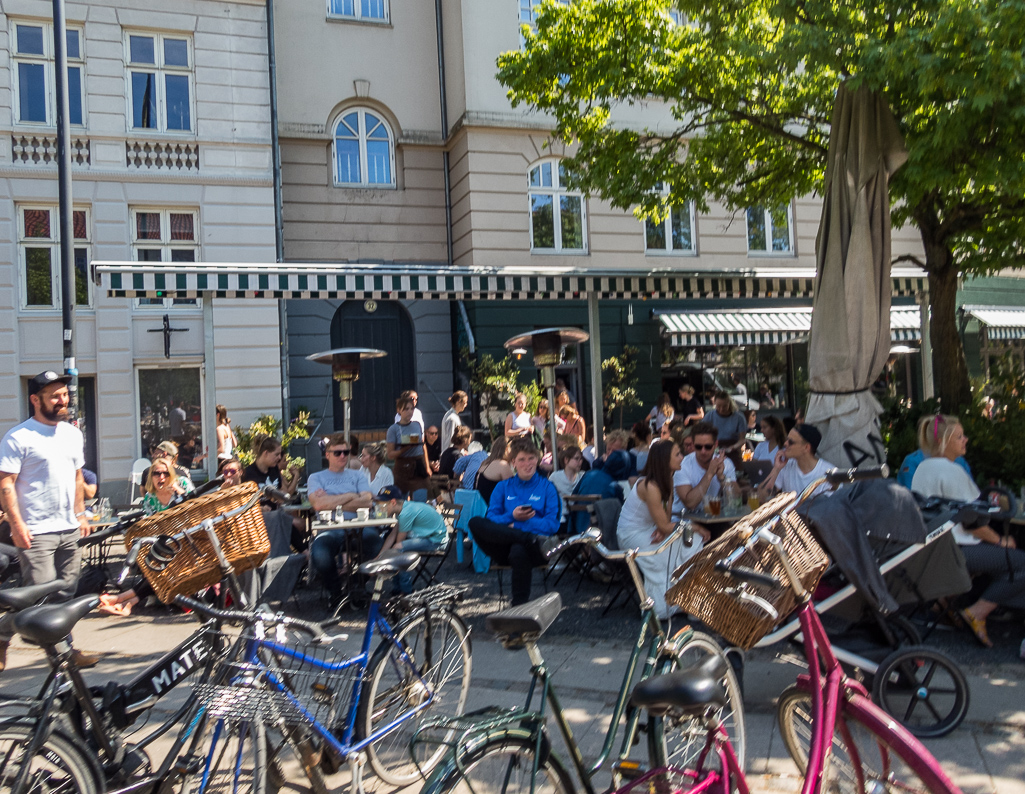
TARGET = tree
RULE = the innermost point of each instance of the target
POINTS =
(493, 383)
(750, 87)
(619, 376)
(267, 426)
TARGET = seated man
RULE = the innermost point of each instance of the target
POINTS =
(420, 528)
(797, 465)
(616, 442)
(702, 473)
(349, 489)
(605, 483)
(523, 511)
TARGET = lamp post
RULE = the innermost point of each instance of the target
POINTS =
(345, 363)
(548, 345)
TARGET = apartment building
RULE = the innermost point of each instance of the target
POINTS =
(172, 164)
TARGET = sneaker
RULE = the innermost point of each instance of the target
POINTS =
(84, 660)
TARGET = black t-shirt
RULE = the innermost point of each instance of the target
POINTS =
(447, 464)
(434, 449)
(252, 473)
(688, 407)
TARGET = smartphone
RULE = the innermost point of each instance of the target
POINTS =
(527, 507)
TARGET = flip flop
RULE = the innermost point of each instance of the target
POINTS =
(977, 627)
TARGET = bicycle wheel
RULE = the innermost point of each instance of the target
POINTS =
(863, 759)
(234, 759)
(437, 642)
(922, 688)
(504, 766)
(58, 767)
(679, 740)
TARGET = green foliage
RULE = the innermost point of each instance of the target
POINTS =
(493, 383)
(619, 379)
(270, 426)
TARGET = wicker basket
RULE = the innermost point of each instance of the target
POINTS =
(243, 539)
(700, 590)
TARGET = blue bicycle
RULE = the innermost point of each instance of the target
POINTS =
(296, 693)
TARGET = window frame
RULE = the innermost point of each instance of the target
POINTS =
(357, 15)
(667, 227)
(556, 191)
(161, 71)
(361, 139)
(47, 61)
(166, 245)
(53, 244)
(791, 250)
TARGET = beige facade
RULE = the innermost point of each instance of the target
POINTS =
(176, 166)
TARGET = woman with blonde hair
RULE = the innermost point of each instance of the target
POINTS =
(163, 486)
(517, 423)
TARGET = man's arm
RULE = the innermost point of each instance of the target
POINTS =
(20, 535)
(496, 507)
(768, 485)
(546, 522)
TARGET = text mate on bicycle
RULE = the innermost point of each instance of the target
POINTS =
(43, 492)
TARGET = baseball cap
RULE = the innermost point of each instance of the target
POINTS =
(811, 434)
(44, 379)
(388, 493)
(168, 447)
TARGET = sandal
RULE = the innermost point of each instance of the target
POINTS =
(978, 627)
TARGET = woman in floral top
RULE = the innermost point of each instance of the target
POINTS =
(163, 486)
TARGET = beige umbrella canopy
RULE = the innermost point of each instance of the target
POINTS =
(850, 325)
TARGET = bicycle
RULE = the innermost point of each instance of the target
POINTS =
(673, 736)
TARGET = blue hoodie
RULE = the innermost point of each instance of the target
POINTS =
(536, 492)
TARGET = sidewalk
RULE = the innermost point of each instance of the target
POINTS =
(986, 754)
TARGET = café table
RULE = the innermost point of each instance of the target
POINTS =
(716, 524)
(353, 591)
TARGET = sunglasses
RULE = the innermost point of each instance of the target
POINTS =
(338, 452)
(790, 442)
(704, 446)
(229, 472)
(160, 475)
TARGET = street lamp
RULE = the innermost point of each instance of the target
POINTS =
(345, 362)
(548, 345)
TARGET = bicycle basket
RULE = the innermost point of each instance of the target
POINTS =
(243, 539)
(317, 684)
(708, 595)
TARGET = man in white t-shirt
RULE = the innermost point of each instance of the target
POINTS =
(702, 472)
(797, 465)
(42, 489)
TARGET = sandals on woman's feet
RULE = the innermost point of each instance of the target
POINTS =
(978, 627)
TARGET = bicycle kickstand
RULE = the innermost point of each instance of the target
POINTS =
(357, 763)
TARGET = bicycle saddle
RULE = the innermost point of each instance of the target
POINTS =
(531, 619)
(51, 623)
(390, 565)
(19, 598)
(691, 690)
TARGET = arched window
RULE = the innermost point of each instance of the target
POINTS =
(556, 212)
(364, 150)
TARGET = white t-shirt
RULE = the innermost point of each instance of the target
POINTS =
(690, 473)
(449, 422)
(384, 477)
(564, 485)
(946, 479)
(762, 452)
(791, 478)
(46, 459)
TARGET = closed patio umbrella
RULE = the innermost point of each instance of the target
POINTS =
(850, 325)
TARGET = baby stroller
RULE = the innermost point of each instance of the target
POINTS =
(887, 562)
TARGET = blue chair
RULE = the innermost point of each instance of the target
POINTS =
(473, 505)
(419, 495)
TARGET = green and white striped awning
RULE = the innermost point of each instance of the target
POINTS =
(393, 282)
(765, 326)
(1001, 322)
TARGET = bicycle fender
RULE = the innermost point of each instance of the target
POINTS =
(53, 729)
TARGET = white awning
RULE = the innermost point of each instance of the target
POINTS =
(1002, 322)
(411, 282)
(765, 326)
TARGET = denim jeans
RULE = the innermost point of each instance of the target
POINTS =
(327, 547)
(404, 581)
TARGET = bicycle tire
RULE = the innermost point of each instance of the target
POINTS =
(923, 680)
(235, 760)
(870, 766)
(678, 741)
(58, 767)
(503, 766)
(438, 642)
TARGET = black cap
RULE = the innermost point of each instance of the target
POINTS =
(44, 379)
(811, 434)
(388, 493)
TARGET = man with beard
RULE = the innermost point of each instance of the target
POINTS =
(43, 493)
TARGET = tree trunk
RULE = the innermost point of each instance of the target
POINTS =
(949, 367)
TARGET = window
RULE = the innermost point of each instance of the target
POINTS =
(362, 10)
(673, 235)
(35, 84)
(363, 150)
(528, 13)
(162, 235)
(556, 213)
(770, 231)
(170, 408)
(40, 256)
(160, 82)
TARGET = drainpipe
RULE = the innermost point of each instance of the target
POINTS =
(443, 98)
(279, 238)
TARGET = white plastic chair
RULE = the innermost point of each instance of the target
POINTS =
(135, 478)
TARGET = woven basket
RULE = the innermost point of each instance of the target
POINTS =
(243, 539)
(700, 590)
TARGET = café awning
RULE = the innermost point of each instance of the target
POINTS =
(413, 282)
(765, 326)
(1001, 322)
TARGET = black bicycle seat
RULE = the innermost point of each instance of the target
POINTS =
(691, 690)
(51, 623)
(390, 565)
(530, 619)
(19, 598)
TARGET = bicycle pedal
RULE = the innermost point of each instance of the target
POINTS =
(628, 770)
(188, 765)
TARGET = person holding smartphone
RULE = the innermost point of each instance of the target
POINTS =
(703, 471)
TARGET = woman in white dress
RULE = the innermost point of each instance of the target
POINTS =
(451, 420)
(645, 522)
(517, 423)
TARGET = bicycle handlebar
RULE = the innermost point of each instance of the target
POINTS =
(241, 618)
(592, 538)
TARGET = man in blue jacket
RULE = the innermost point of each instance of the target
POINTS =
(523, 511)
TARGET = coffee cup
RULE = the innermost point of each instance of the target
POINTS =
(363, 513)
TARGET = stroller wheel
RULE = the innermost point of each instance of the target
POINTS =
(923, 689)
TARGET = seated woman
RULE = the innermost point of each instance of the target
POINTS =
(493, 470)
(985, 551)
(645, 522)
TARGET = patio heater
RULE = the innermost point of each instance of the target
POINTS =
(345, 363)
(548, 345)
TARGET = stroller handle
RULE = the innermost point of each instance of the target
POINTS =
(841, 476)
